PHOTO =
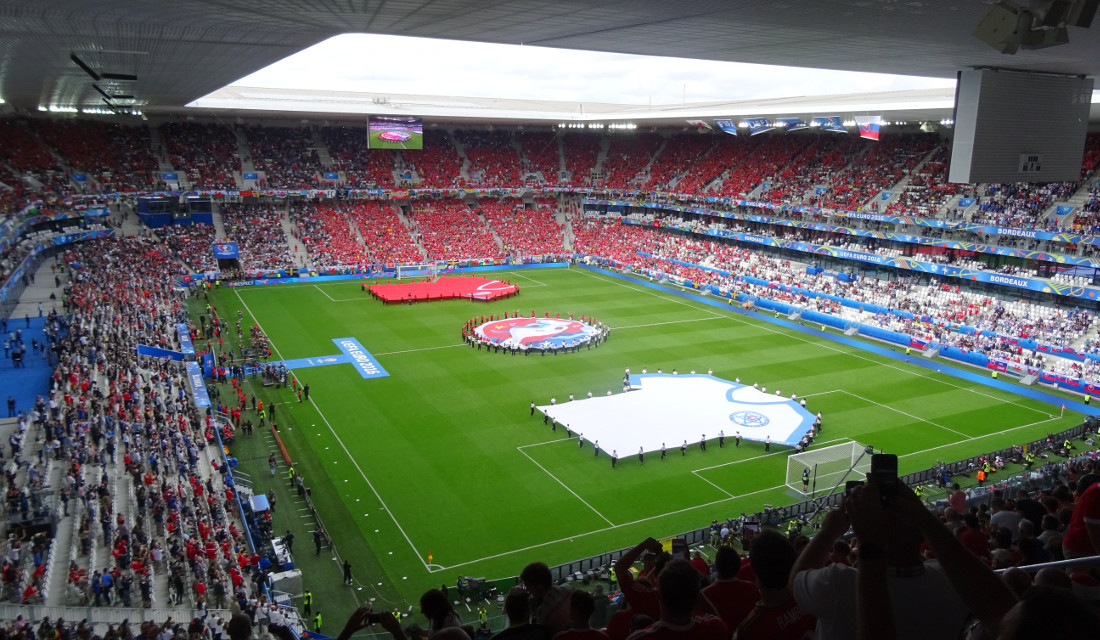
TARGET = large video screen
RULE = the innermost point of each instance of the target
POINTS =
(395, 133)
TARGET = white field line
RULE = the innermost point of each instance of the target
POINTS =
(661, 324)
(346, 452)
(904, 413)
(556, 479)
(537, 282)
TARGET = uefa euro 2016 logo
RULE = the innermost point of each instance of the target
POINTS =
(749, 419)
(546, 333)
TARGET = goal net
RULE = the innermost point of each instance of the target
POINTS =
(415, 270)
(827, 466)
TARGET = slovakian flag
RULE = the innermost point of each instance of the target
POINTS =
(729, 126)
(869, 126)
(791, 124)
(758, 125)
(830, 123)
(700, 123)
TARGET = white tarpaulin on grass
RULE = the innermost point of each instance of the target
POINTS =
(669, 409)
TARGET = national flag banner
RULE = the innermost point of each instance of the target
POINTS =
(758, 125)
(830, 123)
(791, 124)
(729, 126)
(869, 126)
(700, 123)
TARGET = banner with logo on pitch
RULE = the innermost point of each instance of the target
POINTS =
(364, 362)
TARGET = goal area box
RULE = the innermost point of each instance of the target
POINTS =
(828, 465)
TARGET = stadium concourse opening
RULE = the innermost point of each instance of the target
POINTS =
(446, 288)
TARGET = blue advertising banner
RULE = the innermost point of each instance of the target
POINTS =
(80, 177)
(791, 124)
(157, 352)
(758, 125)
(965, 203)
(186, 347)
(830, 123)
(899, 237)
(903, 263)
(169, 176)
(226, 250)
(330, 175)
(364, 362)
(1064, 209)
(249, 175)
(198, 387)
(729, 126)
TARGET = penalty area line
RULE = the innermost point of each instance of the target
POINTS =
(606, 529)
(537, 282)
(325, 293)
(575, 495)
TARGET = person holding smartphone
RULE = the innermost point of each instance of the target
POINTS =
(829, 591)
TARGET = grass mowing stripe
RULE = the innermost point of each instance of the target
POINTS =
(449, 441)
(585, 502)
(313, 402)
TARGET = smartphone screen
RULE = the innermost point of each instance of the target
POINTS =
(679, 549)
(884, 468)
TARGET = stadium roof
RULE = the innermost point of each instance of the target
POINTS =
(182, 50)
(910, 106)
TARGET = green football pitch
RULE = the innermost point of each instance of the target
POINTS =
(443, 458)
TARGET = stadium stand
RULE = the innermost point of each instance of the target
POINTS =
(449, 230)
(493, 159)
(438, 164)
(541, 150)
(287, 157)
(207, 153)
(581, 154)
(140, 476)
(528, 232)
(361, 166)
(258, 232)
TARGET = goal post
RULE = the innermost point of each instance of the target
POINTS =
(827, 466)
(414, 270)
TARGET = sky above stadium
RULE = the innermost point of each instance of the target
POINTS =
(403, 65)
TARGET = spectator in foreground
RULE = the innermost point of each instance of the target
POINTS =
(549, 602)
(830, 592)
(441, 615)
(678, 591)
(730, 596)
(1082, 537)
(1042, 612)
(581, 607)
(776, 615)
(517, 606)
